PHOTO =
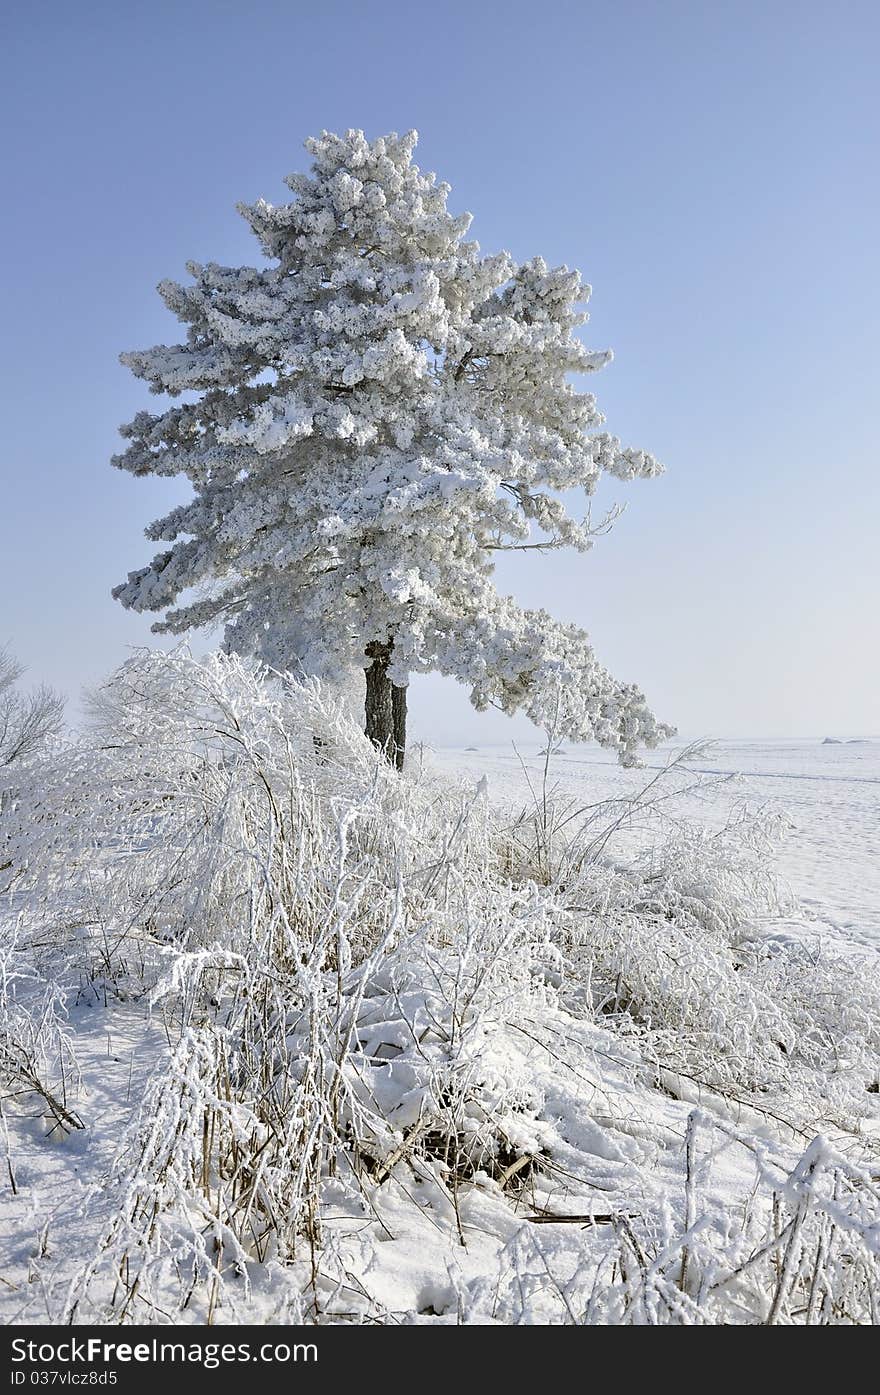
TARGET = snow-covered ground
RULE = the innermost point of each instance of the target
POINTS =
(602, 1181)
(828, 797)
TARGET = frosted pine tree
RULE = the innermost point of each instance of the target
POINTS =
(366, 420)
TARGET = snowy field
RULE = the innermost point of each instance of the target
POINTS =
(286, 1037)
(827, 797)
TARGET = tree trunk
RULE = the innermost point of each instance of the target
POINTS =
(385, 706)
(398, 712)
(378, 707)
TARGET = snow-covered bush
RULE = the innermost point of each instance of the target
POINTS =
(38, 1064)
(670, 946)
(367, 996)
(801, 1250)
(203, 802)
(672, 950)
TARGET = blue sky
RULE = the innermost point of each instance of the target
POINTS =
(710, 167)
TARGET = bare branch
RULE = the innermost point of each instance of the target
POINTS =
(27, 720)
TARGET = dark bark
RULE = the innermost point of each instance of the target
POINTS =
(378, 708)
(385, 706)
(398, 714)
